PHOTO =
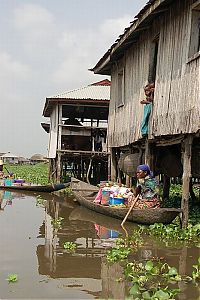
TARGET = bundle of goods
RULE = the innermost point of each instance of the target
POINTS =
(113, 194)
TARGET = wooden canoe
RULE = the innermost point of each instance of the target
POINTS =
(85, 195)
(36, 188)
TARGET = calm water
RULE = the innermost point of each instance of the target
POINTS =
(30, 248)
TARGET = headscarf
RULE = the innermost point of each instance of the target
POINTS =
(145, 168)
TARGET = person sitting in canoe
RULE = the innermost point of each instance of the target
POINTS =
(147, 188)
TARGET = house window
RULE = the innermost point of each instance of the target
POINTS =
(153, 60)
(121, 89)
(195, 30)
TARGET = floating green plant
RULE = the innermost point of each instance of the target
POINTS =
(173, 234)
(196, 272)
(57, 223)
(12, 278)
(119, 252)
(40, 201)
(70, 246)
(150, 280)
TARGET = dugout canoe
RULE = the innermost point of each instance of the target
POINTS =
(85, 194)
(36, 188)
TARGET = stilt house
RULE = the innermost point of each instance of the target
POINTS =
(78, 132)
(160, 47)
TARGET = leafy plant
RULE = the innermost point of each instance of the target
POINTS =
(119, 252)
(37, 173)
(12, 278)
(172, 234)
(196, 272)
(40, 201)
(57, 223)
(70, 246)
(150, 280)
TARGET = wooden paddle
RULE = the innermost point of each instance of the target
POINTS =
(132, 205)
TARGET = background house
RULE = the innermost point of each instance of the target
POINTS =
(37, 158)
(10, 158)
(78, 132)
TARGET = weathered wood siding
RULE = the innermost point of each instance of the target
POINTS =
(176, 107)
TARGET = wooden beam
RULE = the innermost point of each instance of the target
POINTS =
(75, 152)
(187, 153)
(170, 142)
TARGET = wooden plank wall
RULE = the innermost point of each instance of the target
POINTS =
(176, 104)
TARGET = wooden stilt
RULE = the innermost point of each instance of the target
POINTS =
(187, 145)
(58, 168)
(113, 165)
(166, 186)
(127, 180)
(149, 154)
(109, 167)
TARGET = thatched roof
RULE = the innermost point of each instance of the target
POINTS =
(38, 157)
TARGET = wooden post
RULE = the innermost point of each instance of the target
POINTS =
(58, 168)
(119, 177)
(166, 186)
(50, 170)
(109, 167)
(113, 165)
(187, 153)
(127, 181)
(149, 154)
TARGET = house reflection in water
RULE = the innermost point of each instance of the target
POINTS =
(86, 268)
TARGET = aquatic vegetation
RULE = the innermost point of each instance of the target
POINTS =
(174, 234)
(151, 279)
(37, 173)
(67, 191)
(136, 240)
(175, 195)
(12, 278)
(196, 272)
(118, 253)
(70, 246)
(57, 223)
(40, 201)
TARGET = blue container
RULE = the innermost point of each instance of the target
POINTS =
(8, 182)
(113, 234)
(116, 201)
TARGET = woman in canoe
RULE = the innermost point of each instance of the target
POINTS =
(147, 187)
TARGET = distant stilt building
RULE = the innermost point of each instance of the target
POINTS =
(78, 133)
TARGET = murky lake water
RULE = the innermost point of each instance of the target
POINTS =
(30, 248)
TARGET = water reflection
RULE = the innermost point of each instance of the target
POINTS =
(95, 234)
(46, 270)
(88, 261)
(5, 199)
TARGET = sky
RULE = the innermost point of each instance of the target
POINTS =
(46, 48)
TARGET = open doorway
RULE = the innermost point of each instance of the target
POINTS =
(153, 59)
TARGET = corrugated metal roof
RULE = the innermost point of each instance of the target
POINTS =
(8, 155)
(93, 92)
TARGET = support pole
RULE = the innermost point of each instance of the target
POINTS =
(113, 165)
(58, 168)
(187, 153)
(166, 186)
(150, 154)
